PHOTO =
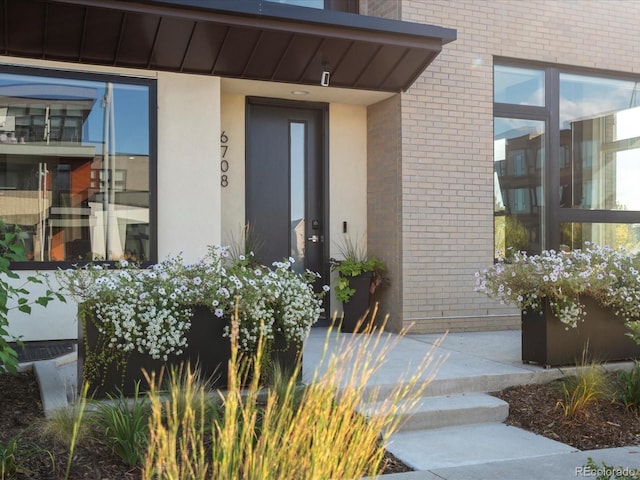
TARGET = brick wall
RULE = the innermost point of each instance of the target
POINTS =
(384, 201)
(447, 133)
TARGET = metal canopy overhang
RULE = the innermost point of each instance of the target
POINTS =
(247, 39)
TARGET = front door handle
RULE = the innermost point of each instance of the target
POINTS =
(314, 238)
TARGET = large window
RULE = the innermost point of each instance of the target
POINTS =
(588, 184)
(75, 157)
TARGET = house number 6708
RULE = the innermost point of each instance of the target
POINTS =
(224, 163)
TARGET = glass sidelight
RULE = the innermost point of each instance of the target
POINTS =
(297, 134)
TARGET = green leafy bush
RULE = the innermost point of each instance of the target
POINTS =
(12, 250)
(355, 262)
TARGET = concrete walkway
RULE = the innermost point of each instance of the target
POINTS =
(456, 430)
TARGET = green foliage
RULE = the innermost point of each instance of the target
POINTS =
(13, 456)
(12, 250)
(629, 388)
(608, 472)
(123, 426)
(355, 262)
(8, 459)
(516, 234)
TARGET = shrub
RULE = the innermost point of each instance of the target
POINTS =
(629, 387)
(12, 250)
(123, 425)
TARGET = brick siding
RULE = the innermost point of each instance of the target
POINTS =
(442, 198)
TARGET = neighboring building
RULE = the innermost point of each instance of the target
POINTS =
(439, 132)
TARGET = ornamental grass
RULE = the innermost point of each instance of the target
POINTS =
(311, 432)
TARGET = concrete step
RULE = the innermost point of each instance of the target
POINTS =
(451, 384)
(470, 445)
(447, 411)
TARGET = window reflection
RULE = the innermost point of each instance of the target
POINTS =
(575, 235)
(74, 167)
(601, 132)
(518, 185)
(297, 134)
(520, 86)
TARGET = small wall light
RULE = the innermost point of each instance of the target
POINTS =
(324, 79)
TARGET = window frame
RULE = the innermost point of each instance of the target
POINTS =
(152, 86)
(550, 113)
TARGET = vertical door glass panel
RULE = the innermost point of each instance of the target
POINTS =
(518, 185)
(600, 131)
(575, 235)
(519, 86)
(297, 134)
(74, 167)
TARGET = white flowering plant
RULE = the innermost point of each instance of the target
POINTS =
(610, 276)
(268, 299)
(149, 309)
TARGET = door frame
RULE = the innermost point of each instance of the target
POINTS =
(323, 108)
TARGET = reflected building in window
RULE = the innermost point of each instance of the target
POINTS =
(63, 183)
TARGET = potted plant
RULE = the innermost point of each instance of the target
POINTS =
(583, 301)
(132, 317)
(359, 276)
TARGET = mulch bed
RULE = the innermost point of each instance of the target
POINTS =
(22, 417)
(605, 424)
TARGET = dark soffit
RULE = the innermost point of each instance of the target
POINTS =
(248, 39)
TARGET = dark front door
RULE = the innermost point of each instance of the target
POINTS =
(285, 182)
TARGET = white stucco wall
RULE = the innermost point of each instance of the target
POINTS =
(347, 173)
(189, 202)
(233, 199)
(347, 180)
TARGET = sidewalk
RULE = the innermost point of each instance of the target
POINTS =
(475, 362)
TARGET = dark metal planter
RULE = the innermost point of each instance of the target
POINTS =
(207, 349)
(358, 305)
(601, 337)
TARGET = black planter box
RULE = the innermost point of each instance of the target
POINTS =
(357, 307)
(207, 349)
(600, 337)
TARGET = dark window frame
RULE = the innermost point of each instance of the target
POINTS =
(555, 215)
(152, 85)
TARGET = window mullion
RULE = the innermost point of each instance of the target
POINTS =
(552, 172)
